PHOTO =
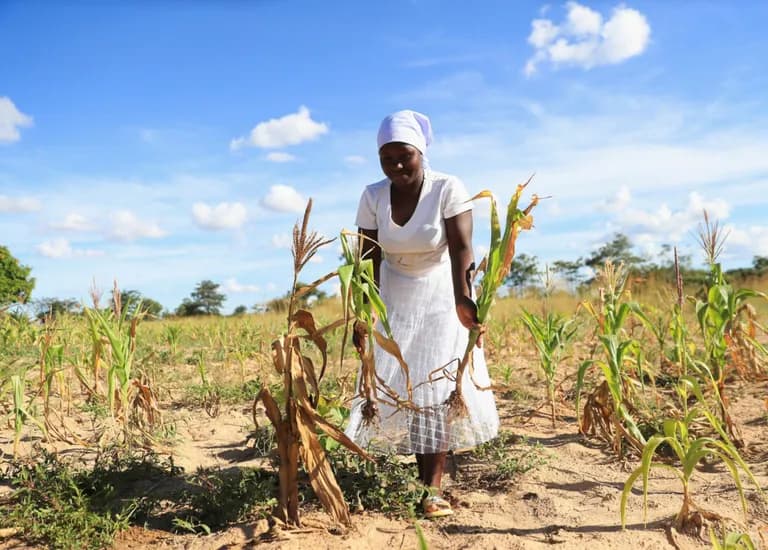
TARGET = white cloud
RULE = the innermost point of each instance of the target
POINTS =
(583, 21)
(280, 156)
(354, 160)
(282, 240)
(61, 248)
(553, 208)
(21, 204)
(619, 202)
(231, 285)
(11, 119)
(653, 227)
(278, 132)
(543, 32)
(284, 198)
(753, 239)
(73, 222)
(316, 259)
(127, 227)
(225, 215)
(56, 248)
(585, 40)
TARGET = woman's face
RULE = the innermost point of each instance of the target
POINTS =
(401, 163)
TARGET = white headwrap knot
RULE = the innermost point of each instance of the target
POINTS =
(406, 127)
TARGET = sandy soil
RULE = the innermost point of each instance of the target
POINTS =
(571, 501)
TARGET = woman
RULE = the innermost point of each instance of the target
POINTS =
(422, 222)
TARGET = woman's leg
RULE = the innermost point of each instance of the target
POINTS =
(431, 467)
(420, 465)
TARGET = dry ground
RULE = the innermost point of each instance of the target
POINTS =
(570, 501)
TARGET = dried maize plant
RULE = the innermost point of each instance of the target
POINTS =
(296, 426)
(495, 267)
(361, 302)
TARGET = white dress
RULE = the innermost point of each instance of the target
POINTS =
(417, 288)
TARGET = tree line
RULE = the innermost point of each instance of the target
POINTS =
(526, 270)
(17, 283)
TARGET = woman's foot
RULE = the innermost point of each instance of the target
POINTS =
(436, 507)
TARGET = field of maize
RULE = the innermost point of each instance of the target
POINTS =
(633, 413)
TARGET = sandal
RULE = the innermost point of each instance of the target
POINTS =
(436, 507)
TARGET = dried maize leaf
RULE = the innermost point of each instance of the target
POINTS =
(278, 356)
(304, 320)
(314, 284)
(287, 508)
(308, 369)
(270, 407)
(319, 469)
(391, 347)
(526, 222)
(338, 435)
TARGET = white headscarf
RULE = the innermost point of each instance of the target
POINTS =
(406, 127)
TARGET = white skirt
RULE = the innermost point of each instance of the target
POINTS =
(422, 315)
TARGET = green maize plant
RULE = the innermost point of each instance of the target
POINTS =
(51, 363)
(362, 303)
(721, 317)
(21, 412)
(731, 541)
(689, 451)
(172, 337)
(52, 368)
(550, 334)
(660, 325)
(495, 266)
(608, 411)
(211, 393)
(113, 331)
(679, 332)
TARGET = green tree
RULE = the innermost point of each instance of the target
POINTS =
(15, 283)
(522, 272)
(46, 308)
(208, 296)
(280, 303)
(760, 263)
(240, 310)
(188, 308)
(570, 271)
(618, 250)
(204, 300)
(130, 299)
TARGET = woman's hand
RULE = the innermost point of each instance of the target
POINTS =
(466, 310)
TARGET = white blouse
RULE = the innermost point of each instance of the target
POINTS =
(420, 245)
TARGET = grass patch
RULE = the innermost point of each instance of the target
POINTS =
(498, 462)
(212, 499)
(388, 485)
(62, 508)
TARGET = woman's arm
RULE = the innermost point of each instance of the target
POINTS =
(371, 249)
(458, 230)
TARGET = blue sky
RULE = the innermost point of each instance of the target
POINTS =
(163, 143)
